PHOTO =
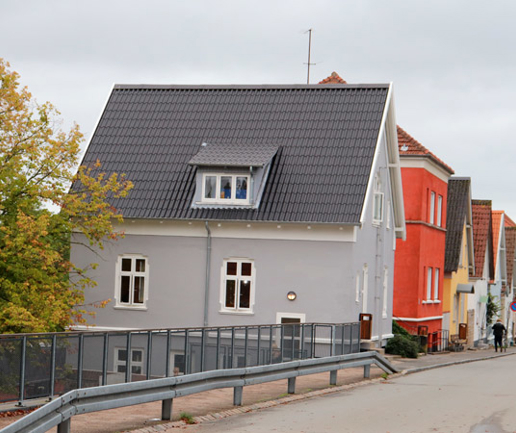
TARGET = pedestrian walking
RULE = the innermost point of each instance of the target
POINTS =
(498, 331)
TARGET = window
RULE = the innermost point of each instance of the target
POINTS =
(377, 201)
(238, 285)
(385, 291)
(136, 360)
(439, 211)
(177, 363)
(132, 281)
(365, 277)
(436, 285)
(429, 272)
(225, 188)
(432, 208)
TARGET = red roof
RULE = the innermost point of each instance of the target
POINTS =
(334, 78)
(482, 235)
(409, 146)
(509, 222)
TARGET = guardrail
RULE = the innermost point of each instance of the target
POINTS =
(60, 411)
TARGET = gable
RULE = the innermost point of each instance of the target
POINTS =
(325, 138)
(458, 216)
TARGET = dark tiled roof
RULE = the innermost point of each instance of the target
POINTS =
(482, 235)
(234, 154)
(326, 138)
(456, 212)
(409, 146)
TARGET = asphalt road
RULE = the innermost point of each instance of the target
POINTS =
(477, 397)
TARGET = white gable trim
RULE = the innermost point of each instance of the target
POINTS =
(389, 131)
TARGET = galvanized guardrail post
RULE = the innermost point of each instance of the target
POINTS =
(22, 370)
(105, 351)
(52, 366)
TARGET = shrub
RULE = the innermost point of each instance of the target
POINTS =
(403, 346)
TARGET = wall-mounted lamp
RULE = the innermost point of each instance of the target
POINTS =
(291, 296)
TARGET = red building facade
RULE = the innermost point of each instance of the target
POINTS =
(419, 261)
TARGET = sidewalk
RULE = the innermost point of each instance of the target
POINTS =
(219, 403)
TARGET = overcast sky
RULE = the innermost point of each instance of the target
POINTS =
(452, 62)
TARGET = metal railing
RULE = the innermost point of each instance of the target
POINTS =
(60, 411)
(438, 341)
(45, 365)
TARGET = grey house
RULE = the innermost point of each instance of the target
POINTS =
(251, 205)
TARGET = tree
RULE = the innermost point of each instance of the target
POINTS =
(40, 289)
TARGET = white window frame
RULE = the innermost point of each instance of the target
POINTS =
(436, 284)
(357, 288)
(429, 275)
(237, 278)
(365, 288)
(439, 222)
(233, 199)
(377, 201)
(172, 362)
(137, 364)
(133, 273)
(431, 217)
(385, 291)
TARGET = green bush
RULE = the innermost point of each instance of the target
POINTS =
(399, 330)
(403, 346)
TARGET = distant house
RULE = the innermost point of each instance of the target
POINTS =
(484, 265)
(251, 205)
(459, 262)
(498, 286)
(419, 264)
(510, 245)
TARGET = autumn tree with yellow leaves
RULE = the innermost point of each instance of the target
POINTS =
(40, 289)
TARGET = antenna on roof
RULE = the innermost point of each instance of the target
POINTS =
(309, 31)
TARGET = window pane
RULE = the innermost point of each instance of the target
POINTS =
(126, 265)
(140, 265)
(136, 369)
(138, 289)
(246, 269)
(137, 356)
(210, 186)
(241, 188)
(231, 268)
(436, 284)
(429, 284)
(122, 355)
(230, 293)
(225, 187)
(179, 363)
(125, 288)
(245, 294)
(120, 368)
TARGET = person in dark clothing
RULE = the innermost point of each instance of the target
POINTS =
(498, 332)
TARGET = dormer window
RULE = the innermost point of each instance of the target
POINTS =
(225, 188)
(231, 175)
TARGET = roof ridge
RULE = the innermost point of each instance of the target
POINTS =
(334, 78)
